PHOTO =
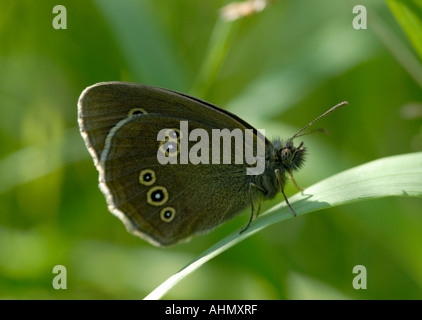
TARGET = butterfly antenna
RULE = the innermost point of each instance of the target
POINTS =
(344, 103)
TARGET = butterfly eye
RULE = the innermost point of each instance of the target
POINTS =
(157, 196)
(169, 148)
(147, 177)
(285, 154)
(167, 214)
(136, 112)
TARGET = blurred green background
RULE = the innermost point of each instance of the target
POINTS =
(277, 69)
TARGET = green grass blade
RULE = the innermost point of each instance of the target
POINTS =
(409, 14)
(399, 175)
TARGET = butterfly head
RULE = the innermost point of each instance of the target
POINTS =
(290, 157)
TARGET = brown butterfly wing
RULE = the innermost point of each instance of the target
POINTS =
(108, 115)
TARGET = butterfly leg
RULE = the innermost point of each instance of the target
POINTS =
(294, 182)
(252, 206)
(278, 175)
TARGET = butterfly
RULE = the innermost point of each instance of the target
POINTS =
(165, 204)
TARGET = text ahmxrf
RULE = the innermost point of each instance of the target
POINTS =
(233, 309)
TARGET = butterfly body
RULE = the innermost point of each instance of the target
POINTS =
(166, 204)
